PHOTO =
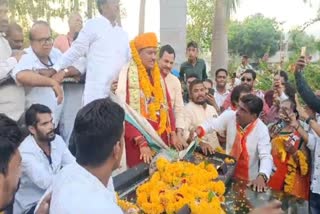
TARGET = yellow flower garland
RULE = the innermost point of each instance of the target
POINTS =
(278, 144)
(177, 184)
(153, 93)
(126, 205)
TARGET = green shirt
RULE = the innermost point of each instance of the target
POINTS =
(186, 69)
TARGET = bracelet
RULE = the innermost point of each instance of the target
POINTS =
(264, 176)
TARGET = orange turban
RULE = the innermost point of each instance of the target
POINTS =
(146, 40)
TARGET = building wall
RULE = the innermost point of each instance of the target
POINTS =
(173, 19)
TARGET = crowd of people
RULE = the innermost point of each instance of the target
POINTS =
(78, 109)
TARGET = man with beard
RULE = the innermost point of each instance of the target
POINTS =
(14, 35)
(248, 140)
(196, 112)
(43, 155)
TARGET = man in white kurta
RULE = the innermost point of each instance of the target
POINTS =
(11, 96)
(106, 46)
(256, 143)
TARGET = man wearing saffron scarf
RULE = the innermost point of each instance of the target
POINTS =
(248, 140)
(141, 86)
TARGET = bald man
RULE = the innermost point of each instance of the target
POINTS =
(14, 35)
(63, 42)
(34, 71)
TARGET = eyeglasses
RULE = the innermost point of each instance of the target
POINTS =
(43, 41)
(243, 79)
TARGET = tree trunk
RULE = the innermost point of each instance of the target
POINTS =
(219, 45)
(141, 16)
(89, 8)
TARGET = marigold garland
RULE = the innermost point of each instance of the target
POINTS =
(278, 144)
(180, 183)
(153, 93)
(126, 205)
(303, 163)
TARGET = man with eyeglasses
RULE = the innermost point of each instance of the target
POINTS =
(11, 96)
(249, 78)
(34, 71)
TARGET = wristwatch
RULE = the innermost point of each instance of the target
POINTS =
(264, 176)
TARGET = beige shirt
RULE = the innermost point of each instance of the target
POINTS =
(175, 92)
(195, 115)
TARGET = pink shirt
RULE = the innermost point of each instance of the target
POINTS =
(62, 42)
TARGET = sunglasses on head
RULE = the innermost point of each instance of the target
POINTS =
(243, 79)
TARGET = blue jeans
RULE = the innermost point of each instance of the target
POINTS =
(314, 203)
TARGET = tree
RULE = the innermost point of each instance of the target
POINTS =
(219, 47)
(199, 18)
(299, 39)
(255, 36)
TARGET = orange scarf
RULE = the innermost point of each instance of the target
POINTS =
(240, 152)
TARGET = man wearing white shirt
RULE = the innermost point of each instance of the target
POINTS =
(221, 92)
(248, 140)
(43, 155)
(34, 71)
(86, 186)
(11, 96)
(106, 46)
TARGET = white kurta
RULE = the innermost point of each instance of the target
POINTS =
(37, 172)
(258, 142)
(76, 190)
(107, 50)
(41, 95)
(12, 97)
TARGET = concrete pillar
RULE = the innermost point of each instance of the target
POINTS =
(173, 20)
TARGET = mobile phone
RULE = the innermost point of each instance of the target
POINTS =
(211, 91)
(303, 51)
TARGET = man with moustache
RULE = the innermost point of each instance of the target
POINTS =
(14, 35)
(198, 111)
(166, 60)
(247, 139)
(43, 154)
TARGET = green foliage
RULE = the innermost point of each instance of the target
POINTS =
(199, 19)
(255, 36)
(299, 39)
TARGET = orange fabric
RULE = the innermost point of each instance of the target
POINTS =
(277, 180)
(240, 152)
(146, 40)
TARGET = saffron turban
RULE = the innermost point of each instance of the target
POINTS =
(146, 40)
